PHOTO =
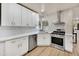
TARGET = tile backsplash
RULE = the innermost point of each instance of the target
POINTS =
(14, 30)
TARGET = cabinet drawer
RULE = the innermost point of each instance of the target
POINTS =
(43, 36)
(12, 41)
(43, 39)
(16, 47)
(11, 48)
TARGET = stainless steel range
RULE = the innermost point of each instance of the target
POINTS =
(57, 39)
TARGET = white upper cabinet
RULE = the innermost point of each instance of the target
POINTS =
(11, 14)
(68, 22)
(25, 17)
(76, 13)
(16, 15)
(29, 18)
(35, 19)
(5, 15)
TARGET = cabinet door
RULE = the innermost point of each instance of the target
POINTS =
(24, 47)
(11, 48)
(25, 17)
(35, 19)
(5, 15)
(2, 48)
(15, 14)
(43, 39)
(68, 43)
(47, 38)
(29, 18)
(30, 21)
(16, 47)
(11, 14)
(67, 18)
(40, 40)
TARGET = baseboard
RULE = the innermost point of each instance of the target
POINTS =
(44, 45)
(68, 51)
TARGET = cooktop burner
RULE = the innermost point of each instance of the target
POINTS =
(58, 32)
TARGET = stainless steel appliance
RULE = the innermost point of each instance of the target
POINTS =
(78, 26)
(32, 42)
(57, 39)
(59, 22)
(0, 13)
(75, 38)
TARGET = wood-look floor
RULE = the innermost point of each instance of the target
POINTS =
(50, 51)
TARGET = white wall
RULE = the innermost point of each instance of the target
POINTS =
(51, 20)
(12, 30)
(75, 16)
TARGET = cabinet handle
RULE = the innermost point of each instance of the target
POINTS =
(24, 39)
(11, 23)
(19, 45)
(13, 41)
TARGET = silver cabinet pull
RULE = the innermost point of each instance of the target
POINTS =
(19, 45)
(13, 41)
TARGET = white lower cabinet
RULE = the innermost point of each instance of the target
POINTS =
(11, 48)
(24, 47)
(2, 48)
(43, 39)
(68, 43)
(16, 47)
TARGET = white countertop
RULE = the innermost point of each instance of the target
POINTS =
(11, 34)
(17, 36)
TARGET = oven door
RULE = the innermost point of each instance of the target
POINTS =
(56, 40)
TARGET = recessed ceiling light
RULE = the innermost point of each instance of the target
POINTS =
(42, 7)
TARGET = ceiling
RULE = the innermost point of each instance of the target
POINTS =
(50, 7)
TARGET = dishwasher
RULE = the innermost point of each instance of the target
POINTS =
(32, 42)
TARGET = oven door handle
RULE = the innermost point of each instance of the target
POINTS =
(75, 34)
